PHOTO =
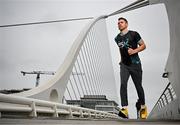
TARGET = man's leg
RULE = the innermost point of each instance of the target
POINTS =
(124, 74)
(136, 74)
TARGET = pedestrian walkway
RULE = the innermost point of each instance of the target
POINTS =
(46, 121)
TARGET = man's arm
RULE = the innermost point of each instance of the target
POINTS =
(140, 48)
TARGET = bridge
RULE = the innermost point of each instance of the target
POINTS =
(84, 72)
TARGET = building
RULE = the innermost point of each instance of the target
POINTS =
(97, 102)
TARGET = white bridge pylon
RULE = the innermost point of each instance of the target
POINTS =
(89, 57)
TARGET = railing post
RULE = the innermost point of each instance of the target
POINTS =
(95, 114)
(161, 105)
(106, 115)
(102, 115)
(70, 112)
(166, 98)
(89, 114)
(81, 113)
(55, 111)
(158, 106)
(163, 102)
(170, 94)
(33, 112)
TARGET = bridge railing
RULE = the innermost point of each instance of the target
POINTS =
(161, 108)
(28, 107)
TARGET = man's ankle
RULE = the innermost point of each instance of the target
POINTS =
(143, 106)
(125, 107)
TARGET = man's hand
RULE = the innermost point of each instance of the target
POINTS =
(140, 48)
(131, 51)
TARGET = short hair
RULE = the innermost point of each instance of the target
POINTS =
(122, 18)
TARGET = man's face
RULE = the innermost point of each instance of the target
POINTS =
(122, 25)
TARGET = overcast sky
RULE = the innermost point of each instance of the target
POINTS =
(43, 47)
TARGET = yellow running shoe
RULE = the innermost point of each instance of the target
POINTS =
(123, 113)
(143, 112)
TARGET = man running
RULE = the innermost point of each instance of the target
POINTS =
(130, 43)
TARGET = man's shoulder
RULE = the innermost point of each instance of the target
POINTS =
(117, 36)
(133, 32)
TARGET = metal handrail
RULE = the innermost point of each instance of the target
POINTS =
(165, 98)
(137, 4)
(12, 103)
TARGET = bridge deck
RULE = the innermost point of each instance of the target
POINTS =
(6, 121)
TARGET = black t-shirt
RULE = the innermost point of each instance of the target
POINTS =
(128, 40)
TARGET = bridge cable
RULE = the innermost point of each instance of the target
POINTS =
(92, 56)
(99, 62)
(68, 92)
(80, 53)
(88, 58)
(91, 59)
(97, 57)
(44, 22)
(80, 69)
(86, 66)
(101, 51)
(76, 84)
(78, 75)
(73, 89)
